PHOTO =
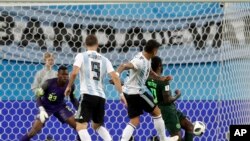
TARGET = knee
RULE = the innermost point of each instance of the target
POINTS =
(95, 126)
(80, 126)
(156, 112)
(71, 122)
(135, 121)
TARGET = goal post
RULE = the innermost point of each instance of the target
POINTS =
(205, 47)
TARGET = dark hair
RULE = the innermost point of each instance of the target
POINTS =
(62, 68)
(151, 45)
(91, 40)
(155, 63)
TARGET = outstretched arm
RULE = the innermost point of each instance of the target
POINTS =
(72, 78)
(167, 97)
(155, 76)
(40, 92)
(125, 66)
(116, 80)
(76, 69)
(73, 99)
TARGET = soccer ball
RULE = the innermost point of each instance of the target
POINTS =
(199, 128)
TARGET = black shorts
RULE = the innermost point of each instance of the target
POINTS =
(137, 103)
(91, 108)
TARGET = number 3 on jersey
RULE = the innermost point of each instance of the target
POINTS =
(95, 67)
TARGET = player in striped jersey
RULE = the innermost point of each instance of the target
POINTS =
(92, 68)
(134, 89)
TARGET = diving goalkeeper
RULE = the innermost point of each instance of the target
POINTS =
(50, 101)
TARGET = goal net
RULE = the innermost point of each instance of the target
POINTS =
(205, 47)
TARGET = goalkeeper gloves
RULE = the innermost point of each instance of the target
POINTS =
(39, 92)
(43, 114)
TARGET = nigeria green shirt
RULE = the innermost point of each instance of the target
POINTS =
(157, 88)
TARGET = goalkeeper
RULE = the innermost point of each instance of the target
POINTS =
(174, 119)
(51, 102)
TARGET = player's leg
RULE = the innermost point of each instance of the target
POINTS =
(158, 123)
(36, 127)
(134, 112)
(81, 128)
(83, 116)
(186, 125)
(98, 119)
(150, 107)
(67, 115)
(71, 122)
(171, 120)
(129, 129)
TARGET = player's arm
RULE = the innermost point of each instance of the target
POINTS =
(72, 78)
(39, 93)
(125, 66)
(76, 69)
(155, 76)
(73, 99)
(116, 80)
(167, 97)
(43, 114)
(121, 68)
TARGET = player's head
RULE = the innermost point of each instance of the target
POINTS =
(62, 74)
(152, 47)
(156, 64)
(91, 41)
(48, 59)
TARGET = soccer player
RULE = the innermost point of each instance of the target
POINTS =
(92, 67)
(46, 73)
(134, 90)
(51, 101)
(174, 119)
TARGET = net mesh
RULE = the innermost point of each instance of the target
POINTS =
(205, 47)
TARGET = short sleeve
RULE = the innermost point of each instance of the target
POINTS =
(78, 60)
(109, 66)
(137, 63)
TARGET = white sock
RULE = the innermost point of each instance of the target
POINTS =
(160, 127)
(84, 135)
(128, 132)
(103, 132)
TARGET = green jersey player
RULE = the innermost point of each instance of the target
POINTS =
(174, 119)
